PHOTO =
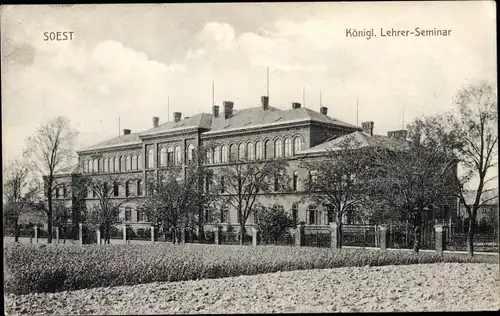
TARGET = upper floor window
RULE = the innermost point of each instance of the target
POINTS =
(134, 162)
(105, 165)
(89, 166)
(266, 148)
(224, 153)
(278, 151)
(85, 166)
(116, 165)
(139, 187)
(128, 163)
(127, 187)
(250, 152)
(122, 163)
(170, 155)
(216, 154)
(95, 165)
(297, 144)
(241, 151)
(139, 162)
(177, 155)
(231, 151)
(151, 158)
(163, 157)
(258, 150)
(190, 152)
(210, 156)
(295, 180)
(116, 191)
(288, 147)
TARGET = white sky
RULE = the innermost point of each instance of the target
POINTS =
(125, 60)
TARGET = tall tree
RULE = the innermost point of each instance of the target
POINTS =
(241, 181)
(17, 193)
(50, 150)
(337, 180)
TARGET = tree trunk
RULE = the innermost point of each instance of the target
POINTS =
(49, 214)
(340, 235)
(470, 238)
(417, 231)
(242, 234)
(16, 232)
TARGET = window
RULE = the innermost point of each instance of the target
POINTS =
(95, 166)
(116, 165)
(138, 216)
(313, 176)
(139, 187)
(170, 155)
(190, 153)
(139, 162)
(295, 179)
(127, 185)
(210, 156)
(122, 163)
(278, 151)
(241, 151)
(222, 185)
(250, 152)
(89, 166)
(297, 144)
(65, 191)
(231, 152)
(312, 215)
(288, 147)
(105, 165)
(295, 212)
(163, 157)
(216, 154)
(100, 165)
(224, 153)
(128, 214)
(116, 191)
(177, 155)
(258, 150)
(151, 158)
(128, 163)
(57, 193)
(224, 215)
(134, 162)
(266, 149)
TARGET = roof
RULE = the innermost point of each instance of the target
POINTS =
(257, 117)
(357, 140)
(201, 120)
(122, 140)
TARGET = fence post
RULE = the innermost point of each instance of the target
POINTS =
(80, 233)
(334, 231)
(153, 234)
(36, 234)
(98, 233)
(299, 235)
(383, 237)
(218, 232)
(255, 231)
(440, 240)
(124, 233)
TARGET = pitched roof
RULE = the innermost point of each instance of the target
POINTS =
(122, 140)
(357, 140)
(257, 117)
(202, 120)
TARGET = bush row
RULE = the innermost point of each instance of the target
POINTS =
(51, 268)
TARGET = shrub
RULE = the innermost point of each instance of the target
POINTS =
(30, 268)
(273, 224)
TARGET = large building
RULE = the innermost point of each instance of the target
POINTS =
(264, 132)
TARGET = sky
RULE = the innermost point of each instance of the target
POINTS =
(126, 63)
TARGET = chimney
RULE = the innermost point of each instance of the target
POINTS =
(156, 121)
(295, 105)
(126, 131)
(399, 134)
(265, 102)
(368, 127)
(215, 111)
(228, 109)
(323, 110)
(177, 116)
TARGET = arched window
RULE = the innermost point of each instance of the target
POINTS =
(177, 155)
(116, 189)
(231, 151)
(127, 163)
(116, 165)
(134, 162)
(95, 166)
(163, 157)
(139, 162)
(250, 152)
(266, 149)
(127, 187)
(170, 155)
(278, 148)
(258, 150)
(297, 144)
(190, 152)
(105, 165)
(295, 180)
(288, 147)
(122, 163)
(241, 151)
(151, 158)
(224, 153)
(139, 187)
(216, 154)
(85, 166)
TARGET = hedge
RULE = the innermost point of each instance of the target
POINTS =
(51, 268)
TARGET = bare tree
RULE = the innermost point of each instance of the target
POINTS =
(337, 181)
(50, 151)
(240, 182)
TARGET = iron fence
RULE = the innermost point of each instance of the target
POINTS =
(317, 236)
